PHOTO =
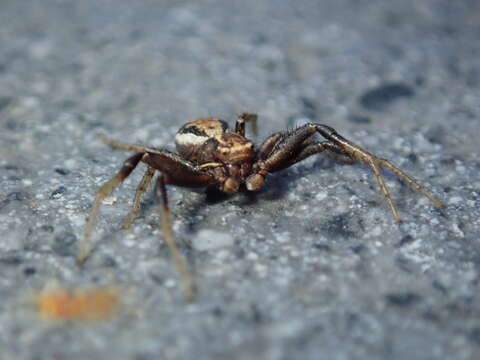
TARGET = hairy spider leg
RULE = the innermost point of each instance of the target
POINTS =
(375, 163)
(411, 182)
(174, 170)
(309, 148)
(125, 146)
(383, 187)
(104, 191)
(277, 151)
(142, 187)
(185, 276)
(178, 170)
(244, 118)
(269, 143)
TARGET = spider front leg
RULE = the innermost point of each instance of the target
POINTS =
(186, 278)
(180, 172)
(104, 191)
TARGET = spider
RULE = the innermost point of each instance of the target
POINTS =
(209, 154)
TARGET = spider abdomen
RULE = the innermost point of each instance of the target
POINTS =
(209, 140)
(194, 134)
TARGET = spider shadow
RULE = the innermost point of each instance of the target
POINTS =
(213, 196)
(277, 186)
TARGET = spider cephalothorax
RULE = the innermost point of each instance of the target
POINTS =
(208, 141)
(209, 154)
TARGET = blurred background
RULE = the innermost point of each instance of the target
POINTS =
(314, 267)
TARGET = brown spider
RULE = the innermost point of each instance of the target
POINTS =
(212, 155)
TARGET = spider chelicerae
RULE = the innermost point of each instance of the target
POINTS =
(209, 154)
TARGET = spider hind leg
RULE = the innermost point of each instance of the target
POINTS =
(284, 149)
(375, 163)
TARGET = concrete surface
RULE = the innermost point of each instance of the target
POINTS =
(314, 266)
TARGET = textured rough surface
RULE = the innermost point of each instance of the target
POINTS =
(314, 266)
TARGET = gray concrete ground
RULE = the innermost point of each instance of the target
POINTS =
(314, 266)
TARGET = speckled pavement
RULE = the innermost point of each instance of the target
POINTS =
(311, 267)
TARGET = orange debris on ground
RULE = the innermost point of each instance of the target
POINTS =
(80, 304)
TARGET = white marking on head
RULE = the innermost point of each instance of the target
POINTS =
(186, 139)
